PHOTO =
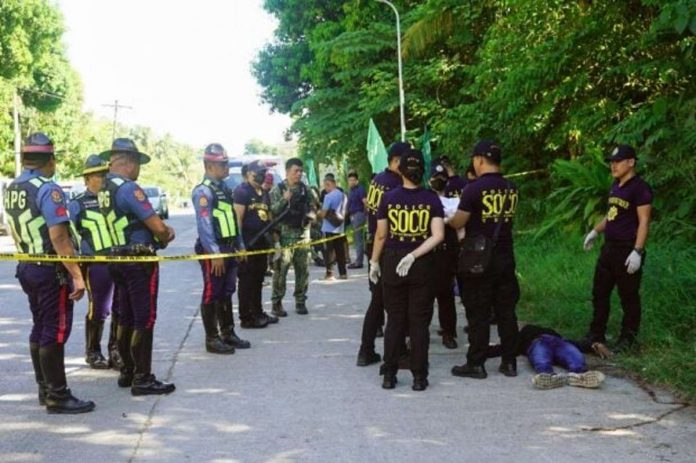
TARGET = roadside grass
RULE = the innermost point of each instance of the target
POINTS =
(556, 280)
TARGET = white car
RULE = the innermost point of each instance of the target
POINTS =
(158, 199)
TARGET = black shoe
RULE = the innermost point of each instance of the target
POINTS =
(301, 309)
(389, 381)
(149, 385)
(368, 358)
(125, 378)
(269, 318)
(61, 401)
(235, 341)
(354, 266)
(96, 361)
(508, 369)
(380, 332)
(278, 310)
(420, 384)
(216, 346)
(449, 342)
(470, 371)
(624, 344)
(256, 322)
(115, 362)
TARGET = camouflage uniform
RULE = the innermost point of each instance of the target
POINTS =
(291, 233)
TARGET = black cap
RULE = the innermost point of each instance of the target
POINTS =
(622, 152)
(488, 149)
(412, 159)
(38, 143)
(437, 169)
(398, 149)
(94, 165)
(125, 146)
(256, 167)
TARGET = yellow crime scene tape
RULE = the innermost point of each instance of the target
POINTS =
(125, 259)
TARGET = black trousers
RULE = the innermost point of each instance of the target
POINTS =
(374, 317)
(335, 252)
(251, 274)
(609, 272)
(498, 289)
(445, 267)
(409, 304)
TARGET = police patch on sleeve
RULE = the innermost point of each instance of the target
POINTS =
(139, 195)
(56, 196)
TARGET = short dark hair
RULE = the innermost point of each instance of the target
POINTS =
(293, 162)
(353, 175)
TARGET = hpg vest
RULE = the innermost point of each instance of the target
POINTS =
(91, 224)
(225, 220)
(295, 217)
(28, 225)
(120, 223)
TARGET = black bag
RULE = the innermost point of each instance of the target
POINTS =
(333, 218)
(476, 253)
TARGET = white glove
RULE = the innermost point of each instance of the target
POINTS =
(405, 265)
(589, 240)
(375, 272)
(278, 254)
(633, 262)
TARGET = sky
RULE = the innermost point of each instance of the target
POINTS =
(184, 66)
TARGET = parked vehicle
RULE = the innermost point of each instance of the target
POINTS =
(158, 199)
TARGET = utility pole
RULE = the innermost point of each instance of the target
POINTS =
(116, 106)
(17, 134)
(402, 102)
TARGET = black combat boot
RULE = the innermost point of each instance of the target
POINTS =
(278, 309)
(144, 382)
(226, 322)
(115, 361)
(301, 308)
(59, 399)
(93, 335)
(213, 343)
(38, 373)
(123, 341)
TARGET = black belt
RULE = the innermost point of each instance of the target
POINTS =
(133, 250)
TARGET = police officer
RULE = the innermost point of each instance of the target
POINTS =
(38, 218)
(455, 183)
(95, 239)
(218, 232)
(374, 316)
(294, 200)
(251, 205)
(409, 226)
(136, 230)
(487, 208)
(445, 257)
(620, 262)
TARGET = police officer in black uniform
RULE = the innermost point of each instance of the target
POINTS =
(38, 218)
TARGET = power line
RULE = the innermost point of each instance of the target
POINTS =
(116, 107)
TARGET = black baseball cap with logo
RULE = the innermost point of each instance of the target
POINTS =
(621, 153)
(488, 149)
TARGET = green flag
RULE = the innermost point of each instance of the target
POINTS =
(311, 173)
(376, 152)
(425, 148)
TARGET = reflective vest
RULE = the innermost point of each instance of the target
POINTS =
(121, 224)
(26, 221)
(225, 220)
(91, 224)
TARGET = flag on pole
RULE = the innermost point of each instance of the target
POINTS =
(311, 173)
(376, 152)
(425, 148)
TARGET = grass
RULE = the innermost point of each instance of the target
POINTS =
(556, 280)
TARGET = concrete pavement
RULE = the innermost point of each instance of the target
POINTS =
(297, 395)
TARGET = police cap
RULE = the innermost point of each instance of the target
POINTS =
(38, 143)
(94, 165)
(124, 146)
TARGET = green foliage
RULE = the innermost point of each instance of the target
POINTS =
(256, 146)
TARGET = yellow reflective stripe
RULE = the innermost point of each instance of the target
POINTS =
(225, 216)
(96, 224)
(117, 228)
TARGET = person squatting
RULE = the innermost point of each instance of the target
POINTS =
(411, 230)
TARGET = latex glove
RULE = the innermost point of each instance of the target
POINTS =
(405, 265)
(278, 254)
(375, 272)
(633, 262)
(589, 240)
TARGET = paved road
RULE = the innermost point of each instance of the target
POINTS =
(297, 396)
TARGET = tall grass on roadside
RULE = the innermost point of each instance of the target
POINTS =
(556, 280)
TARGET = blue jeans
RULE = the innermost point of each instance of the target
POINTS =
(547, 350)
(357, 220)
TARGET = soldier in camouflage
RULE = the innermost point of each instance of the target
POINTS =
(296, 202)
